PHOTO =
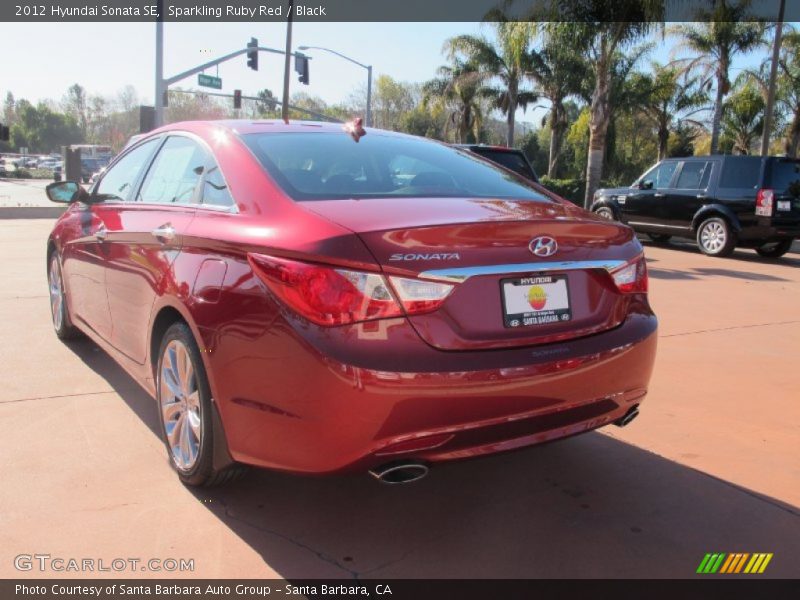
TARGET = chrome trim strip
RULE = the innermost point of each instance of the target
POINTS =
(658, 225)
(460, 274)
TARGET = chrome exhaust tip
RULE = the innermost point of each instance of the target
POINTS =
(397, 473)
(628, 417)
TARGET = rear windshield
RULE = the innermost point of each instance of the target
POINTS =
(325, 166)
(510, 160)
(785, 176)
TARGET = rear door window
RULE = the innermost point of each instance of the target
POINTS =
(694, 175)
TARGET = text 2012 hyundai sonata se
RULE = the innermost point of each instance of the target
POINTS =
(316, 299)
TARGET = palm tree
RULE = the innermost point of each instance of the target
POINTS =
(724, 33)
(788, 89)
(599, 42)
(668, 95)
(557, 72)
(507, 63)
(456, 90)
(743, 118)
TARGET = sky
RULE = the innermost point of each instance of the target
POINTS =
(41, 60)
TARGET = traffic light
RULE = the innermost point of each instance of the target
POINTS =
(237, 98)
(252, 54)
(5, 133)
(301, 66)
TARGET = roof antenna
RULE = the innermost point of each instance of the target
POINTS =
(287, 64)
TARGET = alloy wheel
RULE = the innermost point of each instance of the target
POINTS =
(713, 236)
(180, 405)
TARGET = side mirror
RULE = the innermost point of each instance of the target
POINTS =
(646, 185)
(66, 192)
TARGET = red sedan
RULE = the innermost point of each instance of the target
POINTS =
(312, 299)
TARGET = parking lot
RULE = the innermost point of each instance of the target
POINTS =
(711, 465)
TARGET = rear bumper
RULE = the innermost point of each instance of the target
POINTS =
(353, 398)
(771, 230)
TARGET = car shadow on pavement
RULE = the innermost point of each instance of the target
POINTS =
(791, 259)
(702, 272)
(589, 506)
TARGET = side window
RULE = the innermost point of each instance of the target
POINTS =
(692, 175)
(741, 172)
(118, 182)
(660, 176)
(175, 173)
(215, 190)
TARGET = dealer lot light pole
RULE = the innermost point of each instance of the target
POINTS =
(355, 62)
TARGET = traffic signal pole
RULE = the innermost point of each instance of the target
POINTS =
(162, 85)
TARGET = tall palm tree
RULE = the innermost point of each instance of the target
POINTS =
(669, 97)
(507, 63)
(724, 33)
(456, 90)
(599, 43)
(557, 72)
(789, 90)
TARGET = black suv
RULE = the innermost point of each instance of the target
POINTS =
(510, 158)
(721, 201)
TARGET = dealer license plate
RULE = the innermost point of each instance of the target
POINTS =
(535, 300)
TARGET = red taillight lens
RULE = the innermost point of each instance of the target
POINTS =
(765, 200)
(632, 277)
(329, 296)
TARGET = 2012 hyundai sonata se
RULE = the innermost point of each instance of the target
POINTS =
(319, 299)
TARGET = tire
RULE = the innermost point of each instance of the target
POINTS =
(774, 249)
(715, 237)
(185, 410)
(659, 238)
(604, 212)
(59, 311)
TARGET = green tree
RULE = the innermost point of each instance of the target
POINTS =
(41, 130)
(723, 33)
(788, 91)
(743, 118)
(668, 98)
(507, 63)
(455, 91)
(391, 99)
(600, 31)
(557, 72)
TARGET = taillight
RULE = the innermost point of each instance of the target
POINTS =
(765, 200)
(419, 296)
(330, 296)
(632, 277)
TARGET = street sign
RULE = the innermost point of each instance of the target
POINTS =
(209, 81)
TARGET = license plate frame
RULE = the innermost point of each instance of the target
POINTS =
(515, 291)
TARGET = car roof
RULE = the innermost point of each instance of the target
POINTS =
(245, 126)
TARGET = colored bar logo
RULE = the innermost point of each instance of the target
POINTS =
(737, 562)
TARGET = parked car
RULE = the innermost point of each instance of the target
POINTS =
(721, 201)
(510, 158)
(299, 301)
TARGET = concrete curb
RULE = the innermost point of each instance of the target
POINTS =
(31, 212)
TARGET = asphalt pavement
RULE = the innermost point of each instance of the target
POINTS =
(711, 465)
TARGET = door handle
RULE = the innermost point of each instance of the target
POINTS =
(164, 234)
(701, 196)
(101, 234)
(658, 195)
